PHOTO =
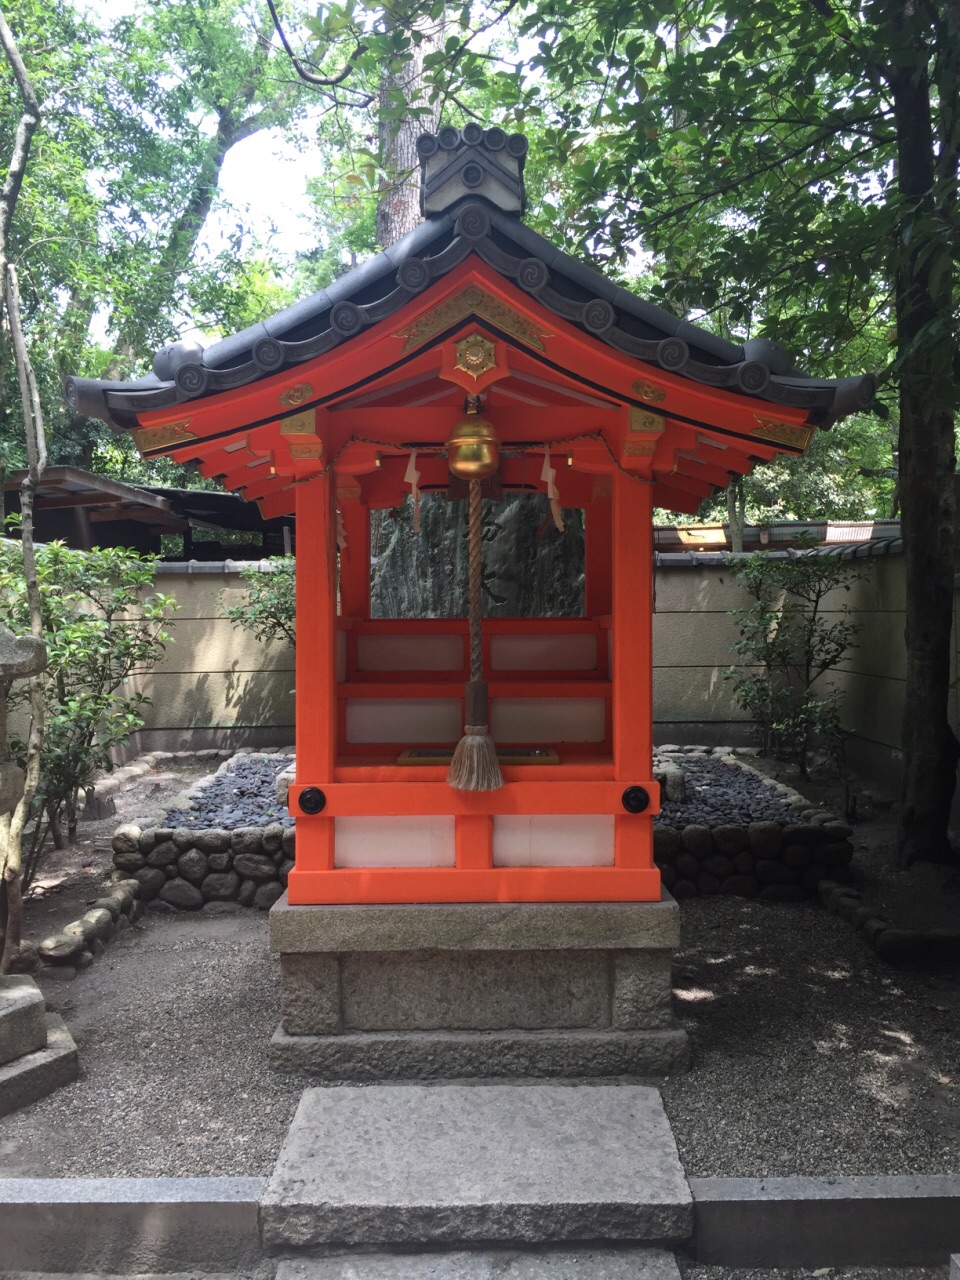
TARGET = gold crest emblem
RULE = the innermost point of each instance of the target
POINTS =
(295, 395)
(476, 355)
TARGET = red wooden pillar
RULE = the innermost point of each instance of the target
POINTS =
(632, 659)
(316, 702)
(355, 557)
(598, 550)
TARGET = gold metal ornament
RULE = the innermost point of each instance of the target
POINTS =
(473, 450)
(476, 355)
(295, 395)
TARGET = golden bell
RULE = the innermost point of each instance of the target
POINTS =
(473, 450)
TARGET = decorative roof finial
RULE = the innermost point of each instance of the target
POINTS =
(457, 163)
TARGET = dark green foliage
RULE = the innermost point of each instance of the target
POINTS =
(269, 607)
(790, 645)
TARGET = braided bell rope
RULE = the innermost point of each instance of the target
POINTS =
(475, 564)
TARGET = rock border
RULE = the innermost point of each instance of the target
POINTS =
(188, 869)
(892, 945)
(773, 861)
(62, 955)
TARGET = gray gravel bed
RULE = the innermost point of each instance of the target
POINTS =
(809, 1055)
(242, 795)
(172, 1023)
(721, 794)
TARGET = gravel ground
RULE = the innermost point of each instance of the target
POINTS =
(172, 1023)
(809, 1055)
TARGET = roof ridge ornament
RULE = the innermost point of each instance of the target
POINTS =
(471, 162)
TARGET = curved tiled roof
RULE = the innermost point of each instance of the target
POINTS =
(472, 224)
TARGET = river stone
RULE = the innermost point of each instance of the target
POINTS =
(797, 855)
(267, 895)
(247, 891)
(126, 839)
(766, 839)
(718, 866)
(730, 840)
(212, 840)
(697, 840)
(125, 891)
(668, 876)
(131, 861)
(220, 886)
(222, 861)
(148, 839)
(707, 884)
(61, 947)
(150, 880)
(284, 869)
(289, 836)
(163, 855)
(775, 873)
(838, 830)
(666, 842)
(111, 905)
(182, 894)
(805, 833)
(247, 840)
(183, 838)
(81, 928)
(687, 866)
(273, 838)
(741, 886)
(193, 866)
(102, 921)
(744, 863)
(684, 889)
(811, 877)
(253, 866)
(782, 893)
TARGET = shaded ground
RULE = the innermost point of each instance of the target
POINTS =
(809, 1055)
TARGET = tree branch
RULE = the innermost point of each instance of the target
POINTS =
(26, 128)
(311, 77)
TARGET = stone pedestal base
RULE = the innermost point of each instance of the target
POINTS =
(492, 989)
(37, 1052)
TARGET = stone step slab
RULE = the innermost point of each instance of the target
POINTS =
(499, 1264)
(23, 1023)
(456, 1165)
(32, 1077)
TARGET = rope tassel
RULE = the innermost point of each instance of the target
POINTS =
(474, 766)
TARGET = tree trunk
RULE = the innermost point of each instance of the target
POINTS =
(398, 210)
(736, 513)
(924, 302)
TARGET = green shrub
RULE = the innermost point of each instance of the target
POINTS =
(269, 606)
(788, 650)
(100, 630)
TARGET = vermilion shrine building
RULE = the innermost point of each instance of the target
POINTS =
(344, 403)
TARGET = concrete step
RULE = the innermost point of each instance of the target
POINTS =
(499, 1264)
(517, 1164)
(27, 1079)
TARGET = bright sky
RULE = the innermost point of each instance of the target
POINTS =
(264, 180)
